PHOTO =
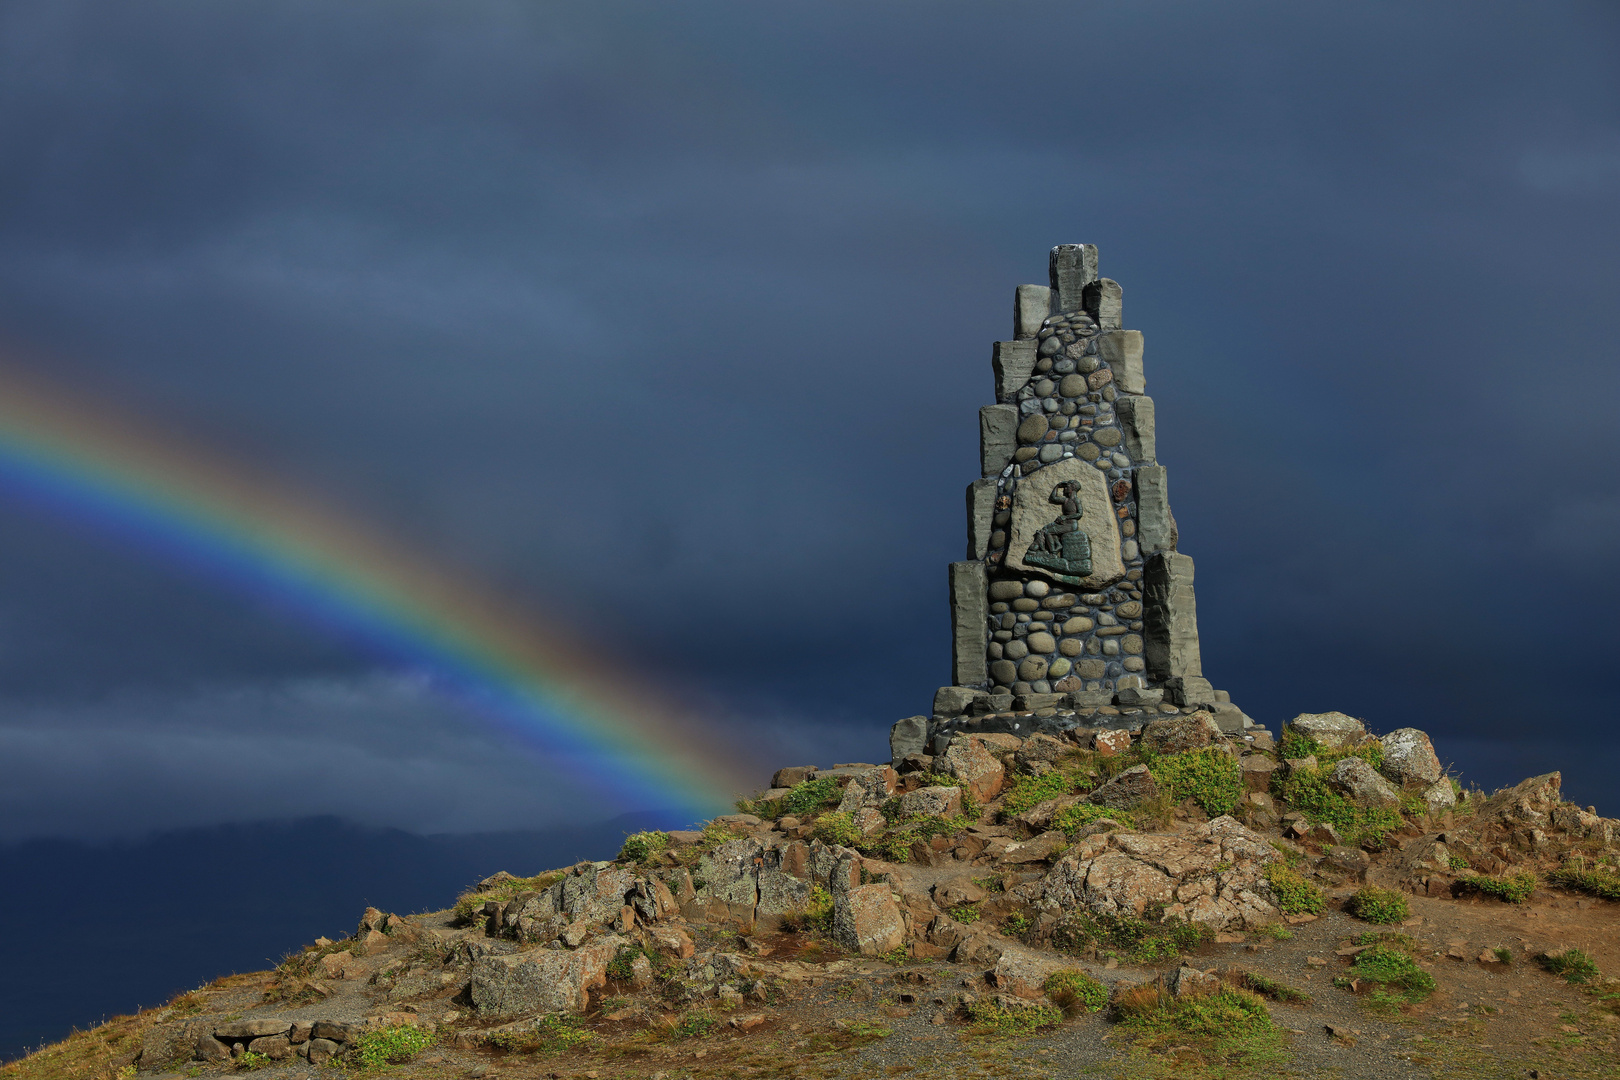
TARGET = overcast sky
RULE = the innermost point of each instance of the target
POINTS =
(671, 321)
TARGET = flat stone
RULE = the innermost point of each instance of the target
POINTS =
(1107, 436)
(981, 503)
(955, 700)
(1332, 730)
(251, 1029)
(1136, 419)
(1033, 509)
(1122, 351)
(1013, 363)
(541, 980)
(1079, 624)
(1031, 305)
(1172, 736)
(998, 425)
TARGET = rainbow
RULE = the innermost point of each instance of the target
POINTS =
(86, 463)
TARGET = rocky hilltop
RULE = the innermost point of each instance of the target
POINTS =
(1104, 898)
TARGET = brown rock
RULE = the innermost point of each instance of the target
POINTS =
(1173, 735)
(1257, 770)
(932, 801)
(332, 1031)
(1124, 791)
(274, 1047)
(211, 1049)
(322, 1050)
(672, 941)
(968, 761)
(1109, 742)
(793, 775)
(867, 920)
(251, 1029)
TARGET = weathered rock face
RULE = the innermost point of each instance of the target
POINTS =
(729, 872)
(932, 801)
(1181, 733)
(870, 788)
(1409, 757)
(541, 980)
(867, 920)
(1212, 874)
(1334, 730)
(968, 761)
(1359, 782)
(1124, 791)
(1529, 802)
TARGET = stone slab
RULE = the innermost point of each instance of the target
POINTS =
(1013, 363)
(998, 438)
(1103, 300)
(968, 630)
(1155, 528)
(981, 509)
(1031, 305)
(1136, 420)
(1170, 618)
(1032, 510)
(1122, 349)
(907, 737)
(1072, 268)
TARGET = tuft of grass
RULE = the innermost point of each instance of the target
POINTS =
(808, 797)
(1028, 791)
(1385, 907)
(836, 828)
(619, 968)
(1073, 819)
(1230, 1026)
(251, 1060)
(693, 1025)
(965, 913)
(1144, 940)
(1573, 964)
(994, 1018)
(393, 1045)
(558, 1032)
(1075, 992)
(1211, 778)
(1504, 955)
(1275, 931)
(1396, 977)
(1513, 888)
(469, 902)
(1595, 880)
(643, 847)
(1267, 986)
(1295, 895)
(1307, 791)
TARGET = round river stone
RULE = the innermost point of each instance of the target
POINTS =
(1034, 429)
(1042, 642)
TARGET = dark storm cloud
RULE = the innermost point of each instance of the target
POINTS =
(674, 320)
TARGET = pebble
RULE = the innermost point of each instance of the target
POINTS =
(1064, 366)
(1043, 642)
(1121, 460)
(1036, 588)
(1015, 650)
(1077, 625)
(1051, 452)
(1044, 387)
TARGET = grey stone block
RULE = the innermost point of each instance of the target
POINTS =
(981, 509)
(1031, 305)
(1136, 417)
(1090, 699)
(1013, 362)
(1190, 690)
(1031, 702)
(907, 737)
(1103, 300)
(1229, 718)
(1155, 528)
(998, 438)
(968, 630)
(1136, 696)
(1170, 622)
(955, 700)
(1073, 267)
(1123, 351)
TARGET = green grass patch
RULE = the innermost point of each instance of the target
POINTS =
(893, 844)
(1143, 940)
(1271, 988)
(251, 1060)
(1295, 895)
(693, 1025)
(1075, 992)
(1074, 819)
(1029, 791)
(394, 1045)
(965, 913)
(1229, 1029)
(468, 903)
(1013, 1020)
(1275, 931)
(1211, 778)
(806, 798)
(1511, 888)
(642, 847)
(836, 828)
(1385, 907)
(1573, 964)
(1396, 978)
(1595, 880)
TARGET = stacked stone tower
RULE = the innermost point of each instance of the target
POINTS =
(1073, 597)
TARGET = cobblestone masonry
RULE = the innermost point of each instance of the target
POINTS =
(1073, 595)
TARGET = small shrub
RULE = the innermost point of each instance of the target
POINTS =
(1459, 863)
(693, 1025)
(1017, 925)
(1295, 895)
(1394, 972)
(1027, 791)
(808, 797)
(1075, 992)
(1275, 931)
(251, 1060)
(816, 915)
(1573, 964)
(1142, 939)
(558, 1032)
(1307, 791)
(1384, 907)
(394, 1045)
(642, 847)
(1073, 819)
(1503, 955)
(1230, 1025)
(836, 828)
(1210, 778)
(1513, 889)
(619, 968)
(965, 913)
(1013, 1019)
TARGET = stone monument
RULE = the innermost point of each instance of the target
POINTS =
(1074, 606)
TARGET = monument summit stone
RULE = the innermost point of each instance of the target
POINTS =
(1074, 600)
